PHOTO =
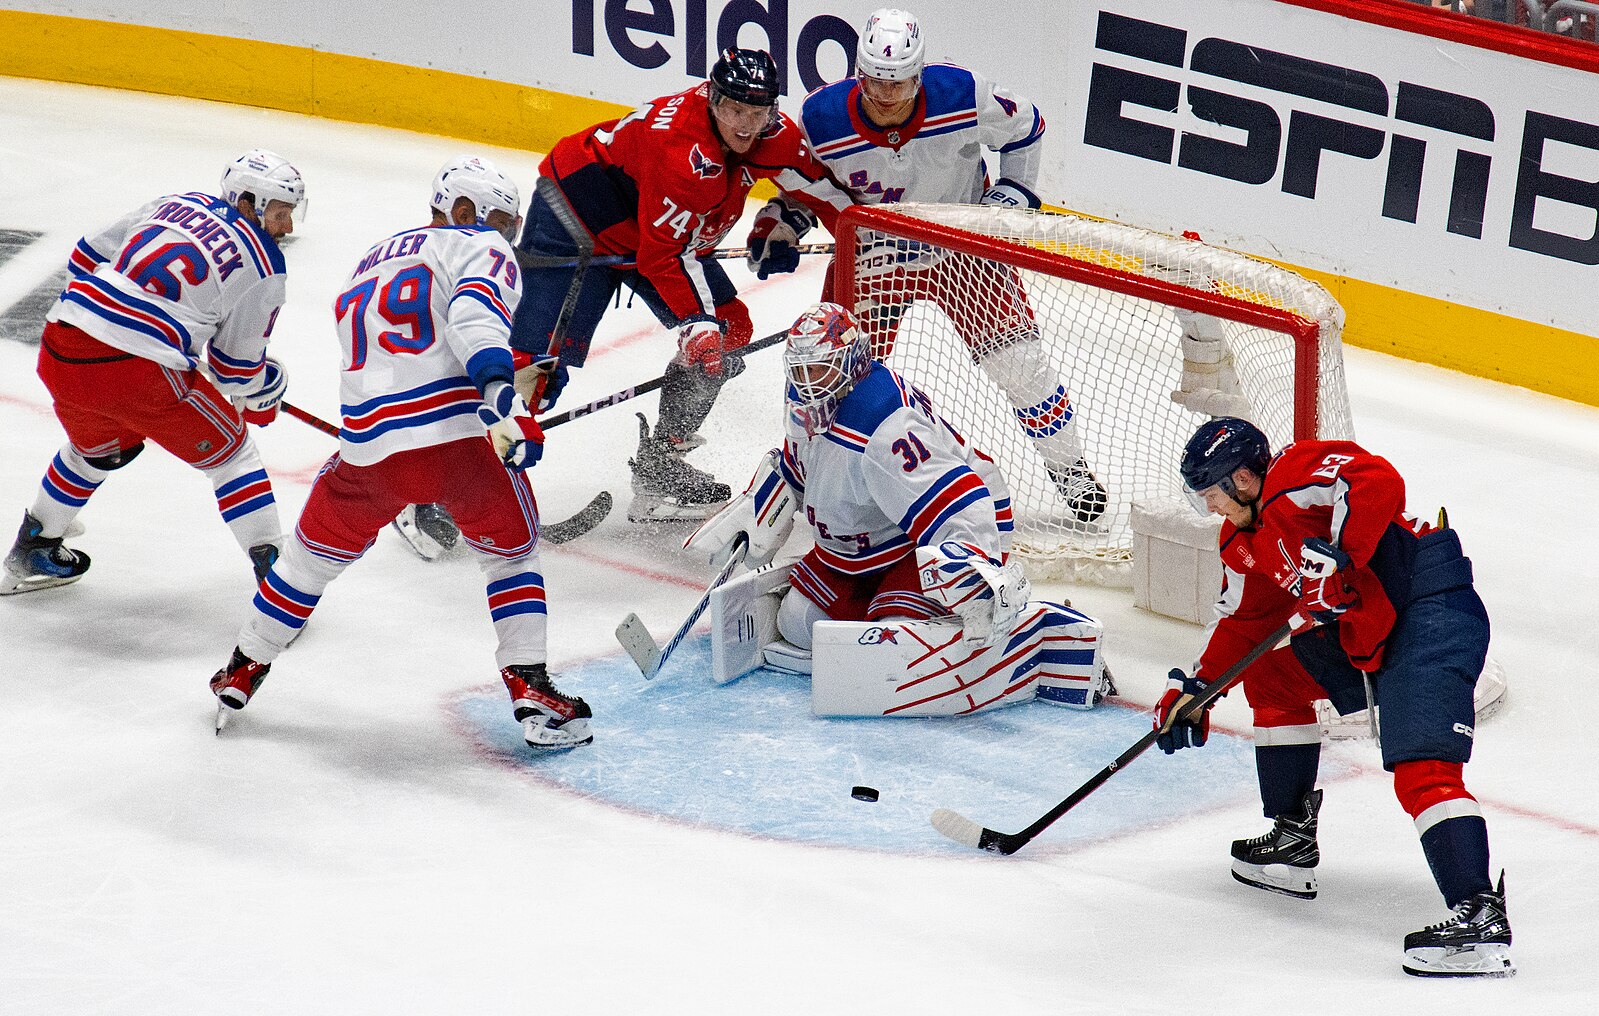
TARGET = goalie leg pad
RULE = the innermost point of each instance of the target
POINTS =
(926, 668)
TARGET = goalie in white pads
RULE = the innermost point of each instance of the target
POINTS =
(902, 606)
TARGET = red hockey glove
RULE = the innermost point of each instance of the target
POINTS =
(1324, 592)
(700, 341)
(1174, 733)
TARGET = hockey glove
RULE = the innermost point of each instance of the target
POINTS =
(699, 339)
(1174, 733)
(774, 238)
(552, 372)
(1010, 194)
(517, 437)
(261, 405)
(1323, 591)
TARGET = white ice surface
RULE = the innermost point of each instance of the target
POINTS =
(351, 844)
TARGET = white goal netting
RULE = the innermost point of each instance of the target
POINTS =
(990, 310)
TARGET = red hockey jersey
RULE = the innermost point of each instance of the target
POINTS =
(657, 184)
(1334, 490)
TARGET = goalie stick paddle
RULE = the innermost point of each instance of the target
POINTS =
(641, 645)
(968, 833)
(591, 515)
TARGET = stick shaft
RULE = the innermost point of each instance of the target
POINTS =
(527, 261)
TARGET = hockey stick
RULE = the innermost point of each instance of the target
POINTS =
(968, 833)
(645, 387)
(527, 261)
(591, 515)
(641, 645)
(551, 192)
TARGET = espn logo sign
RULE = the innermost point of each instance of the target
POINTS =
(1284, 131)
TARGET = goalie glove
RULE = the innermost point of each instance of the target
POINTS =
(1324, 592)
(1175, 734)
(764, 513)
(518, 440)
(261, 405)
(985, 595)
(1010, 194)
(775, 236)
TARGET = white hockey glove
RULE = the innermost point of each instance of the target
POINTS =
(764, 513)
(1010, 194)
(261, 405)
(518, 439)
(774, 237)
(985, 595)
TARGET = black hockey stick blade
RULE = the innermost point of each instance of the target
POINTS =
(592, 515)
(968, 833)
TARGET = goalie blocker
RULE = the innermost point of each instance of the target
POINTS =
(905, 667)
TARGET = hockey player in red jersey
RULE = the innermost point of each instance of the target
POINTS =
(425, 318)
(660, 186)
(161, 335)
(1382, 605)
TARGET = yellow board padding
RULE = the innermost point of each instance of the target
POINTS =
(292, 78)
(363, 90)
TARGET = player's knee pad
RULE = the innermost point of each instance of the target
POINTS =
(116, 460)
(1423, 783)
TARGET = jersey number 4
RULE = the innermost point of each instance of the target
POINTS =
(403, 304)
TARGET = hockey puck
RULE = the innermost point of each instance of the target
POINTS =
(864, 793)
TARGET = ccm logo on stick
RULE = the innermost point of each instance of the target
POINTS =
(1282, 135)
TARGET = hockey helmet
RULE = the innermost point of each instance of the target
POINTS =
(480, 182)
(262, 176)
(745, 75)
(825, 356)
(1219, 448)
(890, 47)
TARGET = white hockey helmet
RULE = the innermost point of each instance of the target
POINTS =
(890, 47)
(480, 182)
(825, 356)
(264, 176)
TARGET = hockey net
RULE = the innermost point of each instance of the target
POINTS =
(1148, 334)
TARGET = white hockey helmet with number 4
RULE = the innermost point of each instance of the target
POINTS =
(890, 47)
(480, 182)
(263, 176)
(825, 356)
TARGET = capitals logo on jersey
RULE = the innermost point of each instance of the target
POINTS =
(704, 167)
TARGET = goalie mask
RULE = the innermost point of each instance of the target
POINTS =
(825, 356)
(477, 180)
(263, 177)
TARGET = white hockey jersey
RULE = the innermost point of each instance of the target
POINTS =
(426, 323)
(891, 475)
(938, 154)
(183, 274)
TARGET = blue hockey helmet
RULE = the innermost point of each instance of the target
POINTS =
(1220, 447)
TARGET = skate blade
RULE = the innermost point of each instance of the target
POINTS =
(647, 508)
(223, 712)
(1489, 959)
(1277, 878)
(538, 734)
(12, 583)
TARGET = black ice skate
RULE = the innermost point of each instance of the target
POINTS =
(1084, 495)
(549, 719)
(1283, 860)
(666, 488)
(38, 562)
(235, 683)
(1475, 942)
(427, 529)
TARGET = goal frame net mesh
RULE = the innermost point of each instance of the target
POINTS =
(984, 308)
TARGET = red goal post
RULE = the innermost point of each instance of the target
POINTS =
(1122, 317)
